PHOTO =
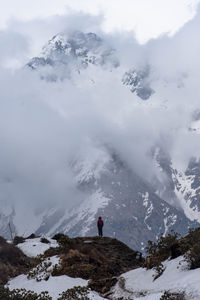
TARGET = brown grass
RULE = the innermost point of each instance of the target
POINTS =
(12, 261)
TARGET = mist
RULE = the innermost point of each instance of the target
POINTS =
(45, 125)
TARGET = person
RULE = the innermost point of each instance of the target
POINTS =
(100, 226)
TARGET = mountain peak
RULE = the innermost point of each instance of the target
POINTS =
(76, 51)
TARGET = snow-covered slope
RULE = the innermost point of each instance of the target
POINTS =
(80, 258)
(138, 81)
(66, 54)
(139, 283)
(176, 278)
(180, 186)
(131, 210)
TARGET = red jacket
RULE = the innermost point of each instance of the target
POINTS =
(100, 222)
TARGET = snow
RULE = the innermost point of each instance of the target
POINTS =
(40, 278)
(31, 220)
(92, 165)
(145, 199)
(33, 247)
(148, 204)
(184, 192)
(175, 278)
(54, 285)
(87, 211)
(44, 269)
(168, 222)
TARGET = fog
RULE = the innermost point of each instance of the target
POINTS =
(45, 125)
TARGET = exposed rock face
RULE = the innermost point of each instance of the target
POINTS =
(131, 209)
(138, 82)
(65, 54)
(180, 188)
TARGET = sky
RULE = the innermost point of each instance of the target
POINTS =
(45, 125)
(148, 19)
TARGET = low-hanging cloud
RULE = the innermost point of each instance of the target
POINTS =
(45, 125)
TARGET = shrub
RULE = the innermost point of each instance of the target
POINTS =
(173, 296)
(18, 239)
(32, 236)
(44, 240)
(159, 271)
(58, 236)
(163, 249)
(12, 261)
(2, 241)
(193, 256)
(40, 272)
(76, 293)
(66, 243)
(22, 294)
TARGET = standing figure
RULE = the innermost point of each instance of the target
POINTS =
(100, 226)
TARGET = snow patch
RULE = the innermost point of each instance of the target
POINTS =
(149, 205)
(140, 284)
(34, 247)
(54, 285)
(185, 192)
(87, 211)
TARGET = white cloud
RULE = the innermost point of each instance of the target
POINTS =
(43, 125)
(148, 19)
(26, 10)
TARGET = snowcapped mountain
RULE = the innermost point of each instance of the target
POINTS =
(65, 54)
(133, 209)
(180, 187)
(138, 82)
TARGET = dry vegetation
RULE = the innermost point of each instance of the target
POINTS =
(12, 261)
(99, 259)
(173, 246)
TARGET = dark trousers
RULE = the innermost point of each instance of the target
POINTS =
(100, 231)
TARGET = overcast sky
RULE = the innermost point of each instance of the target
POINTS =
(148, 19)
(46, 124)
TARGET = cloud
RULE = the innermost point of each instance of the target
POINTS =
(147, 19)
(45, 125)
(13, 48)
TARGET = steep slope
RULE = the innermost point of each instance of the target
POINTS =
(180, 187)
(65, 54)
(138, 81)
(133, 210)
(129, 206)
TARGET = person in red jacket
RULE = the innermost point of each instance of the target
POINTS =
(100, 226)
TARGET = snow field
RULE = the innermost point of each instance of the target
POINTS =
(175, 278)
(55, 285)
